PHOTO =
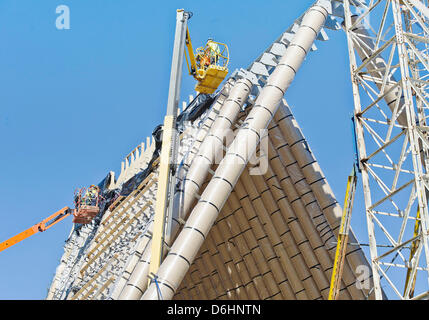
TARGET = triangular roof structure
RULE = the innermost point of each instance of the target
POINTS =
(274, 238)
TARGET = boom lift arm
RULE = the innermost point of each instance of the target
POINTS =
(208, 65)
(192, 61)
(86, 208)
(38, 227)
(343, 236)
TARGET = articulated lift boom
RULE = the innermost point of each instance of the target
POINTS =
(343, 236)
(208, 65)
(87, 207)
(38, 227)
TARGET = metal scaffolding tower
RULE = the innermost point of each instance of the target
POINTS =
(388, 42)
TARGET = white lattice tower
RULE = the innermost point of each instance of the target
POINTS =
(388, 48)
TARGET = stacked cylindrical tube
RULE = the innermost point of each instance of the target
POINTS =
(188, 159)
(224, 113)
(212, 145)
(274, 235)
(204, 214)
(316, 198)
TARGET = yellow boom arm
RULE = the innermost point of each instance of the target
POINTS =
(193, 64)
(209, 65)
(343, 236)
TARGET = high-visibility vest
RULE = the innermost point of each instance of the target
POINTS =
(214, 47)
(90, 195)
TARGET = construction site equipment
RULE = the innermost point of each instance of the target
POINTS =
(209, 64)
(169, 142)
(413, 251)
(38, 227)
(86, 208)
(209, 68)
(389, 70)
(86, 204)
(343, 236)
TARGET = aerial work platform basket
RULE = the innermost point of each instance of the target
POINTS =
(209, 66)
(211, 78)
(85, 214)
(86, 204)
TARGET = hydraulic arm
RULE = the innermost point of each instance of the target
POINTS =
(192, 61)
(39, 227)
(208, 65)
(87, 207)
(343, 236)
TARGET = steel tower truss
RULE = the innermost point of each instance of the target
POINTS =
(388, 42)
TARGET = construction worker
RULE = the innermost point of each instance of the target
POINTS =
(202, 59)
(91, 195)
(214, 51)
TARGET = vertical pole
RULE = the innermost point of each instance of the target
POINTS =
(411, 281)
(413, 135)
(362, 153)
(168, 141)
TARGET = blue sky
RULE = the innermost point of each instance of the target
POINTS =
(74, 102)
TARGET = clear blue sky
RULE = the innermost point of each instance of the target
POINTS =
(74, 102)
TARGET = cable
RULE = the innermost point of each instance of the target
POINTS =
(157, 286)
(154, 277)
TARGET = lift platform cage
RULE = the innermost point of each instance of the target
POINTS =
(86, 204)
(212, 66)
